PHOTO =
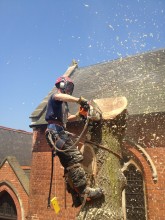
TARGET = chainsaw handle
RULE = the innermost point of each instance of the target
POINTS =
(83, 111)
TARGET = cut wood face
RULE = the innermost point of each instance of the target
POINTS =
(89, 163)
(111, 107)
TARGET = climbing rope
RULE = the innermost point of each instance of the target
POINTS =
(51, 178)
(104, 148)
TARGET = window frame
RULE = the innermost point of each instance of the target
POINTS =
(125, 167)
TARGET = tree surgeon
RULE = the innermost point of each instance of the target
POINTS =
(57, 115)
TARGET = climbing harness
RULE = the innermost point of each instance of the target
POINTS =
(49, 138)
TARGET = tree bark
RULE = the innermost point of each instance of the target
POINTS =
(109, 175)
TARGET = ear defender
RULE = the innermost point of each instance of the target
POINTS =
(65, 84)
(62, 85)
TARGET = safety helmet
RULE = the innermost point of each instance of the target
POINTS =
(65, 84)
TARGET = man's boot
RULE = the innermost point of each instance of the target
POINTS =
(76, 198)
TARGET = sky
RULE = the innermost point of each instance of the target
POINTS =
(40, 38)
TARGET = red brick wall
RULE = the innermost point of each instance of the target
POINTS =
(155, 192)
(40, 180)
(10, 183)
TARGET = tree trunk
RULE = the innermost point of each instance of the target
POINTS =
(109, 175)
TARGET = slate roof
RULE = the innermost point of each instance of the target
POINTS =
(22, 177)
(16, 143)
(140, 78)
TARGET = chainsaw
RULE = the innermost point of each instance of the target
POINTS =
(92, 111)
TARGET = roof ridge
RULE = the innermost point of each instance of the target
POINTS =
(15, 130)
(123, 58)
(19, 172)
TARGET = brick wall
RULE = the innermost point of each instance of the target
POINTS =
(156, 192)
(10, 183)
(40, 180)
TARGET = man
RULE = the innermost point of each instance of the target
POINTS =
(57, 115)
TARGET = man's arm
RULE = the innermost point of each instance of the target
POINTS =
(73, 118)
(68, 98)
(65, 98)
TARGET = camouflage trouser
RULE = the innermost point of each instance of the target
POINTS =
(78, 177)
(76, 184)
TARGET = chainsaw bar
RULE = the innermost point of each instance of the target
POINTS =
(95, 106)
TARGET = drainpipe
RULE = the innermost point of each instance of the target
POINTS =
(146, 156)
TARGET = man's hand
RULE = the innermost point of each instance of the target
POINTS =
(84, 103)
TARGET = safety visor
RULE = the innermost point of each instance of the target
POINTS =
(69, 88)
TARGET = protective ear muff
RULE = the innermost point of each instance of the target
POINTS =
(62, 85)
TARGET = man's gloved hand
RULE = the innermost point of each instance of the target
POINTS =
(84, 103)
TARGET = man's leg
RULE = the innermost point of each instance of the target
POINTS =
(77, 200)
(78, 177)
(76, 174)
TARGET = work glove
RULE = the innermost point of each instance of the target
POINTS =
(84, 103)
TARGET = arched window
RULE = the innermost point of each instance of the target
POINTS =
(7, 207)
(134, 196)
